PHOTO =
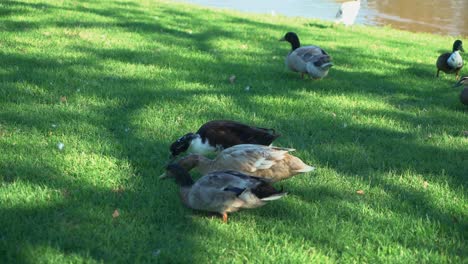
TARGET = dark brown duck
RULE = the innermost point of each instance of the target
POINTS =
(451, 62)
(220, 134)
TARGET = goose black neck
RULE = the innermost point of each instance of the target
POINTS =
(184, 179)
(295, 43)
(181, 176)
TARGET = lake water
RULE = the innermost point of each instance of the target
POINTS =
(445, 17)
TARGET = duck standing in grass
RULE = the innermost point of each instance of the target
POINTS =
(451, 62)
(272, 163)
(222, 192)
(348, 12)
(311, 60)
(464, 92)
(220, 134)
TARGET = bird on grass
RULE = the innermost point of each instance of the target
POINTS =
(222, 192)
(311, 60)
(348, 12)
(220, 134)
(451, 62)
(272, 163)
(464, 92)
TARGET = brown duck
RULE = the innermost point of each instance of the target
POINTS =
(272, 163)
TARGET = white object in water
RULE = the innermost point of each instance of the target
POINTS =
(348, 12)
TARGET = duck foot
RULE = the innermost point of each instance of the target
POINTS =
(225, 218)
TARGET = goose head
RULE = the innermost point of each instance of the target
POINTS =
(292, 38)
(179, 174)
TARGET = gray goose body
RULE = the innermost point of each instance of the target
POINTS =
(311, 60)
(222, 191)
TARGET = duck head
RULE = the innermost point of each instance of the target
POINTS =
(458, 45)
(179, 174)
(461, 82)
(181, 144)
(189, 162)
(292, 38)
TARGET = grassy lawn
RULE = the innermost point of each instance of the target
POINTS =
(117, 81)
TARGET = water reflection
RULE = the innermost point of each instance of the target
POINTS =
(443, 16)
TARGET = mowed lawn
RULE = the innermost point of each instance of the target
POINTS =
(117, 81)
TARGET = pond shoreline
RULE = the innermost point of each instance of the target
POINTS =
(416, 16)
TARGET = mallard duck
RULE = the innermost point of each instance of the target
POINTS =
(464, 92)
(220, 134)
(307, 59)
(451, 62)
(222, 192)
(348, 12)
(272, 163)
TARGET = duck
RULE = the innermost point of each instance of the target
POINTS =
(464, 92)
(348, 12)
(216, 135)
(272, 163)
(451, 62)
(222, 192)
(311, 60)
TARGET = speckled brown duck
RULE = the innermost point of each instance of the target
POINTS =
(272, 163)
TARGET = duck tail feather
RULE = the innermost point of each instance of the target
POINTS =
(275, 196)
(306, 169)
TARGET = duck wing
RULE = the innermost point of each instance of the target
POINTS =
(313, 54)
(307, 52)
(442, 63)
(249, 158)
(224, 191)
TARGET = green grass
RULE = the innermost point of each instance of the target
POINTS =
(138, 74)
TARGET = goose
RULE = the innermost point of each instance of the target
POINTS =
(216, 135)
(311, 60)
(222, 192)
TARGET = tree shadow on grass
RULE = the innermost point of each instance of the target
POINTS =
(58, 223)
(334, 219)
(77, 220)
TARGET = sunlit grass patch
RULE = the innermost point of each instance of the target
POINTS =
(117, 81)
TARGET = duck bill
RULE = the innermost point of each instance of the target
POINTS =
(163, 176)
(326, 65)
(172, 157)
(282, 39)
(461, 49)
(459, 83)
